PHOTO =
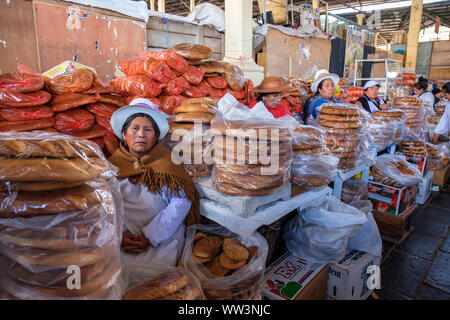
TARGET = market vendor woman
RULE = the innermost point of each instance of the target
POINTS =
(370, 101)
(159, 197)
(270, 92)
(324, 87)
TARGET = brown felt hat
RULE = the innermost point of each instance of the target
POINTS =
(272, 85)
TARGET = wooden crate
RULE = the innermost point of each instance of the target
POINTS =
(395, 228)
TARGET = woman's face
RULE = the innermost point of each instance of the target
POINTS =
(417, 91)
(140, 136)
(271, 100)
(372, 92)
(328, 88)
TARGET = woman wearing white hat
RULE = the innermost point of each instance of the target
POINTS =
(370, 101)
(324, 87)
(159, 197)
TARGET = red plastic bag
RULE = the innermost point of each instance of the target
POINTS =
(111, 142)
(194, 75)
(21, 82)
(161, 72)
(104, 122)
(217, 93)
(101, 87)
(152, 100)
(28, 125)
(19, 100)
(205, 87)
(99, 141)
(138, 86)
(97, 131)
(171, 58)
(250, 96)
(170, 103)
(72, 100)
(134, 67)
(354, 93)
(177, 86)
(74, 121)
(77, 80)
(22, 114)
(118, 101)
(195, 92)
(217, 82)
(101, 109)
(239, 95)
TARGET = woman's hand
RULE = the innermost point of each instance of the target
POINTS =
(384, 106)
(134, 244)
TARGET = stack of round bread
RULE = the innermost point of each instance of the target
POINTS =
(171, 285)
(413, 148)
(439, 109)
(58, 219)
(439, 156)
(232, 74)
(414, 112)
(250, 158)
(197, 157)
(380, 177)
(385, 127)
(227, 268)
(193, 53)
(344, 125)
(309, 140)
(312, 171)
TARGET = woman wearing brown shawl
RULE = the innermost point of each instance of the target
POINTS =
(159, 197)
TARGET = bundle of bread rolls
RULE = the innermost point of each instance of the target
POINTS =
(385, 128)
(345, 126)
(413, 148)
(250, 158)
(58, 219)
(414, 112)
(194, 144)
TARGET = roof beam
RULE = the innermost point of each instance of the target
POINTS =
(432, 16)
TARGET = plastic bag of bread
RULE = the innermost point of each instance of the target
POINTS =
(227, 266)
(313, 170)
(77, 80)
(18, 100)
(31, 158)
(21, 82)
(159, 282)
(397, 168)
(23, 114)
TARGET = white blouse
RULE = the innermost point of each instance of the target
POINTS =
(159, 217)
(444, 124)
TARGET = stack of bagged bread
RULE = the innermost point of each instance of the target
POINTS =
(414, 112)
(58, 218)
(194, 145)
(413, 148)
(226, 267)
(169, 285)
(313, 164)
(394, 170)
(345, 127)
(439, 156)
(385, 128)
(251, 158)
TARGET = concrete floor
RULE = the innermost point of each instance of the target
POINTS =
(419, 268)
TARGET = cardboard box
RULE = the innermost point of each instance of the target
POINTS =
(424, 188)
(440, 177)
(292, 278)
(391, 199)
(419, 162)
(347, 279)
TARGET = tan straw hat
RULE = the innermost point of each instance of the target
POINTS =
(272, 85)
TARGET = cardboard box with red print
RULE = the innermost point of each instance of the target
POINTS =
(391, 199)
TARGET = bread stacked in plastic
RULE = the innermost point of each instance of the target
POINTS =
(313, 164)
(59, 219)
(252, 157)
(385, 128)
(394, 170)
(346, 127)
(189, 129)
(415, 113)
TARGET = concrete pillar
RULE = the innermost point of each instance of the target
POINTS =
(375, 40)
(152, 5)
(315, 4)
(162, 5)
(239, 38)
(192, 5)
(412, 46)
(360, 18)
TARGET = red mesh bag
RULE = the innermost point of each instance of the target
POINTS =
(196, 92)
(21, 82)
(111, 142)
(104, 122)
(161, 72)
(171, 58)
(97, 131)
(19, 100)
(77, 80)
(194, 75)
(101, 109)
(217, 82)
(22, 114)
(28, 125)
(74, 121)
(137, 85)
(177, 86)
(170, 103)
(217, 93)
(72, 100)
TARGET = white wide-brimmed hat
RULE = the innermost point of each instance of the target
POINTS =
(370, 84)
(139, 105)
(322, 75)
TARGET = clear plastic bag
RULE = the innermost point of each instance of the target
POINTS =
(77, 80)
(245, 283)
(312, 171)
(21, 82)
(397, 168)
(18, 100)
(354, 190)
(158, 282)
(320, 234)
